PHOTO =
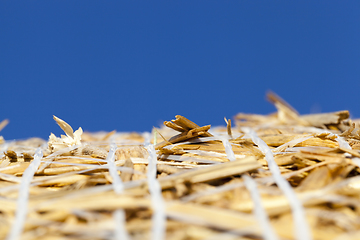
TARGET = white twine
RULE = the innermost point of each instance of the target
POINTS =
(23, 198)
(116, 180)
(259, 211)
(118, 186)
(120, 223)
(158, 204)
(302, 230)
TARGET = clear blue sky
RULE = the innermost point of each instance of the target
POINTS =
(129, 65)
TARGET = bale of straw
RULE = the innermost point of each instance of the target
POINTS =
(277, 176)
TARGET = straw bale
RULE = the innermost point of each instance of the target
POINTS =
(200, 178)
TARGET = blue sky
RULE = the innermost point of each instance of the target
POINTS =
(129, 65)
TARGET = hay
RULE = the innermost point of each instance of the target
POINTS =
(277, 176)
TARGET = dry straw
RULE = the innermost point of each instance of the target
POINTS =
(277, 176)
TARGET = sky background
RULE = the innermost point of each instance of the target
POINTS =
(129, 65)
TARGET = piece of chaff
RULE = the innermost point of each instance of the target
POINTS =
(322, 120)
(188, 129)
(193, 133)
(286, 113)
(186, 124)
(3, 124)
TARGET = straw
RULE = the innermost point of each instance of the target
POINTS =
(199, 182)
(53, 155)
